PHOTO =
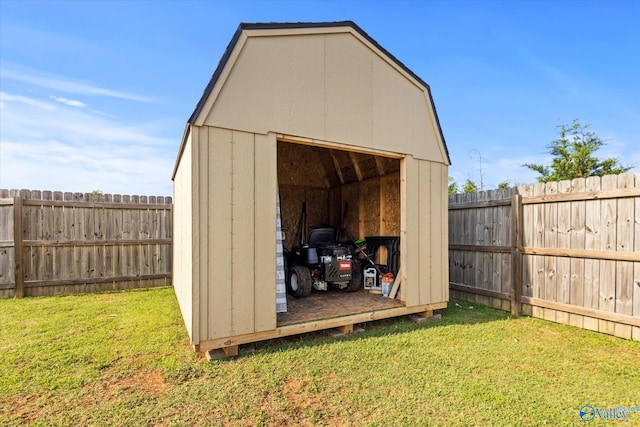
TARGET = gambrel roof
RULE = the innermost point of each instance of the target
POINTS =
(321, 80)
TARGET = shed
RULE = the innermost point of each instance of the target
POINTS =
(305, 112)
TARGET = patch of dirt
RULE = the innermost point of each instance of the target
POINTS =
(149, 382)
(32, 408)
(303, 406)
(25, 408)
(145, 382)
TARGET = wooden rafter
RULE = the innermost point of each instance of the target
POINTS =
(336, 164)
(379, 165)
(356, 165)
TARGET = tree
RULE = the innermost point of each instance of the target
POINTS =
(573, 156)
(453, 186)
(503, 185)
(470, 186)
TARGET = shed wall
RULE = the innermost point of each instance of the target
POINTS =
(234, 208)
(235, 221)
(182, 237)
(424, 238)
(332, 87)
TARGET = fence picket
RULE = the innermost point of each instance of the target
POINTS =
(624, 243)
(577, 241)
(607, 296)
(563, 265)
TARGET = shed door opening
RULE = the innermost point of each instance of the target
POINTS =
(358, 193)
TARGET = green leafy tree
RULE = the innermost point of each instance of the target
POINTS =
(453, 186)
(573, 156)
(470, 186)
(503, 185)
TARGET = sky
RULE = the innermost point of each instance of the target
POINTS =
(95, 95)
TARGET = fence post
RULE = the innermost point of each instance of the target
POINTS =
(18, 245)
(516, 254)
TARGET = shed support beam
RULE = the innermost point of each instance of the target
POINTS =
(336, 164)
(356, 165)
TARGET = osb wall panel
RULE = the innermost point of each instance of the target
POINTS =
(373, 207)
(390, 205)
(351, 221)
(369, 208)
(291, 200)
(299, 165)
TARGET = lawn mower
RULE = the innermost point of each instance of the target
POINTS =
(319, 262)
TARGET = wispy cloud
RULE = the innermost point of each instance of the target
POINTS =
(69, 102)
(46, 145)
(64, 84)
(6, 97)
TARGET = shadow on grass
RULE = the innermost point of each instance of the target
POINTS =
(457, 313)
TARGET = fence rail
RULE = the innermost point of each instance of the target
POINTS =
(565, 251)
(58, 243)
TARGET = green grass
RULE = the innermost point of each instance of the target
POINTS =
(124, 359)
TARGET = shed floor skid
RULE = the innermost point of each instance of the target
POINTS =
(323, 310)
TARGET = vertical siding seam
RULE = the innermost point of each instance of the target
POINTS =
(231, 293)
(255, 233)
(324, 86)
(372, 89)
(195, 252)
(419, 231)
(203, 245)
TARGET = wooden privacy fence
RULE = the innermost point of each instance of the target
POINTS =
(565, 251)
(59, 243)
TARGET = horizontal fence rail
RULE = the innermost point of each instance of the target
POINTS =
(565, 251)
(60, 243)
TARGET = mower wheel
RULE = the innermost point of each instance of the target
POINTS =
(356, 278)
(300, 282)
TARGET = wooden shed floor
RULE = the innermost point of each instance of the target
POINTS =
(333, 303)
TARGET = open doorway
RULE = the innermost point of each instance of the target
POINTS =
(357, 196)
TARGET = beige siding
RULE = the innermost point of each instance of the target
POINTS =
(342, 112)
(215, 285)
(400, 112)
(236, 232)
(439, 268)
(243, 234)
(409, 231)
(424, 233)
(265, 231)
(332, 87)
(427, 235)
(271, 102)
(182, 238)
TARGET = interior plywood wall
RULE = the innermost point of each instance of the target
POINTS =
(330, 180)
(390, 204)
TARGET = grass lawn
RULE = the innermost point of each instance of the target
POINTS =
(124, 359)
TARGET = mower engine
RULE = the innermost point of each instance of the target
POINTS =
(320, 263)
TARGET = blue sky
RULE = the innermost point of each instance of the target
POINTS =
(94, 95)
